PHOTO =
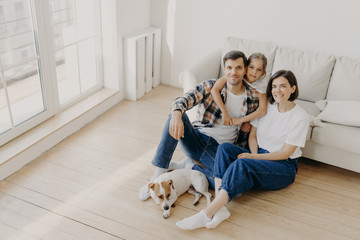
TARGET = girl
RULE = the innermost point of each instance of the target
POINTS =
(271, 163)
(255, 70)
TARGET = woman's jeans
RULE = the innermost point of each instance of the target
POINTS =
(240, 175)
(195, 144)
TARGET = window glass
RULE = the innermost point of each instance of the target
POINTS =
(76, 35)
(50, 58)
(5, 123)
(21, 90)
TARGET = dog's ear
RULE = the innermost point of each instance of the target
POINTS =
(171, 184)
(152, 186)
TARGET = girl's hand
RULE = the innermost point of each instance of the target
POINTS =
(245, 127)
(227, 119)
(245, 155)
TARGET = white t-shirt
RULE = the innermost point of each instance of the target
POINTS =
(276, 128)
(221, 133)
(259, 85)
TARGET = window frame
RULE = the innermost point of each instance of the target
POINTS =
(43, 34)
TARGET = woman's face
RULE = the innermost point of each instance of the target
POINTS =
(281, 89)
(255, 70)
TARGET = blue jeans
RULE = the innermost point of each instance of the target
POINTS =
(240, 175)
(195, 144)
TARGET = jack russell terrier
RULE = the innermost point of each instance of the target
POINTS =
(166, 188)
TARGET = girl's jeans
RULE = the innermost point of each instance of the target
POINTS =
(240, 175)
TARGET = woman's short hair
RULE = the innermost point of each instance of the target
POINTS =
(233, 55)
(290, 76)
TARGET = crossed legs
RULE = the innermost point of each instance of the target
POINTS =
(235, 176)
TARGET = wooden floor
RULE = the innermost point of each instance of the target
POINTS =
(86, 187)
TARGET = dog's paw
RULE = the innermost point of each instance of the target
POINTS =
(196, 203)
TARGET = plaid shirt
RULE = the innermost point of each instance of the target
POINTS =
(209, 113)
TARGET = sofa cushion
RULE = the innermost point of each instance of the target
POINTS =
(338, 137)
(312, 110)
(311, 69)
(309, 107)
(345, 80)
(249, 47)
(341, 112)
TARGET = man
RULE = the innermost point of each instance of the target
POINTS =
(200, 140)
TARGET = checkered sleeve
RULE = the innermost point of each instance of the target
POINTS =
(193, 97)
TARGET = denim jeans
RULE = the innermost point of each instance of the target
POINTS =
(195, 144)
(240, 175)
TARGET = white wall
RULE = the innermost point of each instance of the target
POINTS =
(163, 16)
(198, 26)
(132, 16)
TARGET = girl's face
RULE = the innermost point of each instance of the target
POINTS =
(255, 70)
(281, 89)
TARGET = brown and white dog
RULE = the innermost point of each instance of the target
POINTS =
(166, 188)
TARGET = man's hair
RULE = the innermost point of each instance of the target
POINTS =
(260, 56)
(234, 54)
(290, 76)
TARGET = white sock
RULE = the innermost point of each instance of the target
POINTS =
(158, 172)
(185, 163)
(218, 217)
(189, 163)
(196, 221)
(144, 190)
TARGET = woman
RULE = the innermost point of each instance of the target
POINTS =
(271, 163)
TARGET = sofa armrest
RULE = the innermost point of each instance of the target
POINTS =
(207, 67)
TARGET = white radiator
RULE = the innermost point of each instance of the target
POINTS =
(142, 62)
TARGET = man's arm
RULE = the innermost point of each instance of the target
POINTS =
(193, 97)
(184, 103)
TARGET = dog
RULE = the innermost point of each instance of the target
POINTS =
(166, 188)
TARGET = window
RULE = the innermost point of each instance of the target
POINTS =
(2, 20)
(77, 39)
(50, 58)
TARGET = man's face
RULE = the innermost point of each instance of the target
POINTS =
(234, 71)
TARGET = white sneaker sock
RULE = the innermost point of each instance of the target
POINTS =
(189, 163)
(185, 163)
(218, 217)
(158, 172)
(144, 190)
(196, 221)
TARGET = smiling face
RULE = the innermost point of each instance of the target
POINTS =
(255, 70)
(281, 90)
(234, 71)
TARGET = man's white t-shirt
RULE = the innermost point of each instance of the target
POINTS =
(276, 128)
(220, 132)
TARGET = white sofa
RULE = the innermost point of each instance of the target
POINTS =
(329, 91)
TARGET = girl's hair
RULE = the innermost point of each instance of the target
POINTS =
(290, 76)
(260, 56)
